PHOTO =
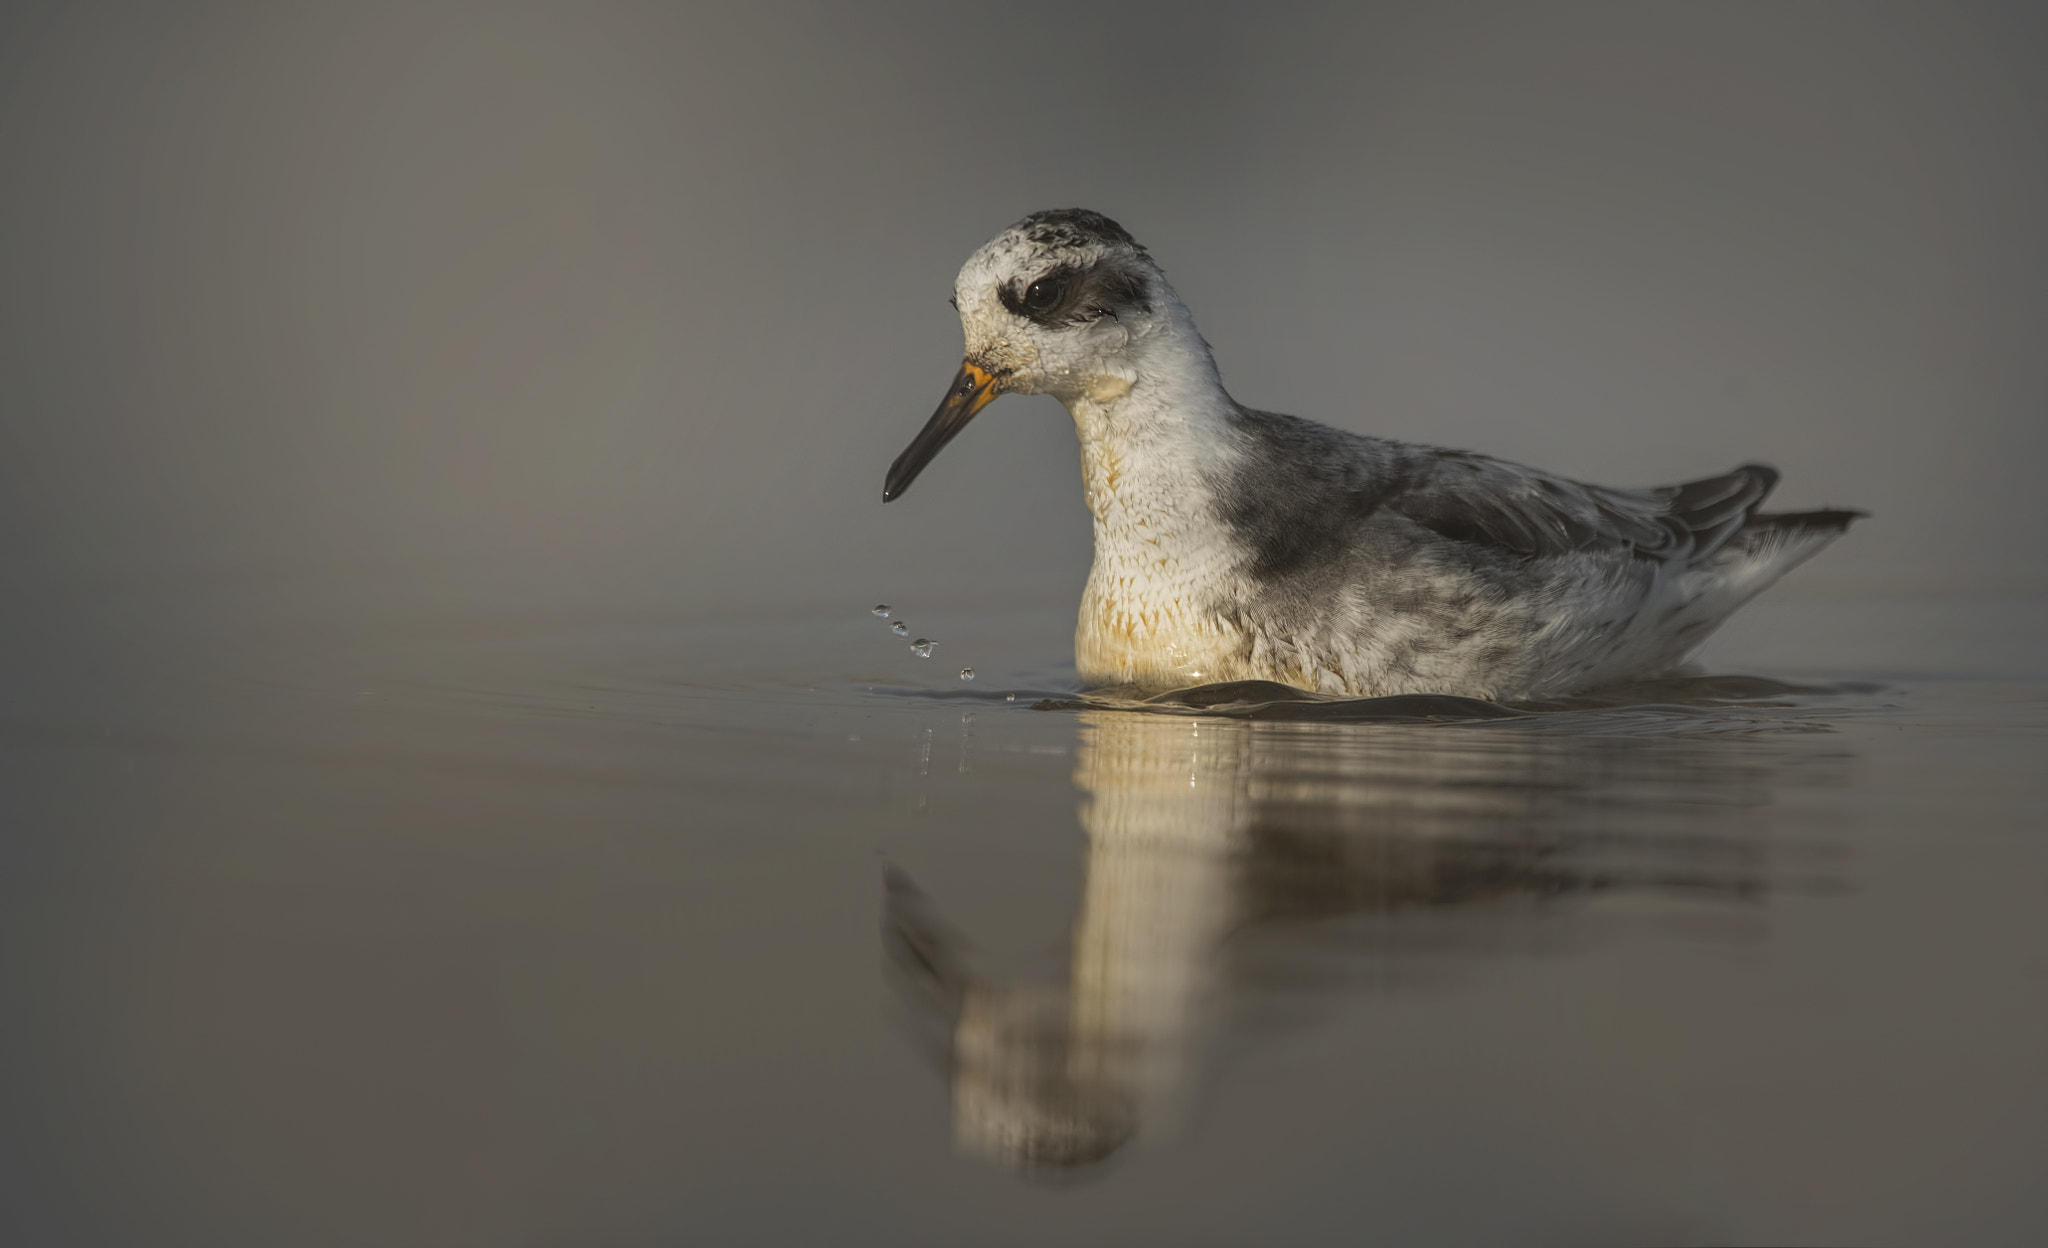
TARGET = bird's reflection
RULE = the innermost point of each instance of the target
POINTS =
(1199, 830)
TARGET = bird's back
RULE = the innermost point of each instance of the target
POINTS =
(1371, 566)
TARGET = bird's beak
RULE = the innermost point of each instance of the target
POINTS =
(972, 389)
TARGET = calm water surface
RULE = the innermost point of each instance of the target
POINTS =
(658, 931)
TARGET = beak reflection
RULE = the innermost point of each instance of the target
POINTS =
(972, 390)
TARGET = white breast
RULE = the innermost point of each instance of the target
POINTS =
(1160, 555)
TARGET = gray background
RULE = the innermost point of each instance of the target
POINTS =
(577, 307)
(345, 351)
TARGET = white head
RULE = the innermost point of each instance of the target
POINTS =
(1064, 303)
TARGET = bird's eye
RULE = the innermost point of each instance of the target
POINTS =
(1044, 294)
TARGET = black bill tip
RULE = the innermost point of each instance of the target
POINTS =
(972, 389)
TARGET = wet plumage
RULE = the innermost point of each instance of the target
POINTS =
(1235, 544)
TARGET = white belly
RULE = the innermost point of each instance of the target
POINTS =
(1149, 635)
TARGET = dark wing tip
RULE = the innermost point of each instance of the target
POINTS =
(1837, 518)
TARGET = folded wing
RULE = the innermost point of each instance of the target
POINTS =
(1532, 514)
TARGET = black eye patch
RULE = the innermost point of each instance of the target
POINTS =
(1067, 295)
(1045, 294)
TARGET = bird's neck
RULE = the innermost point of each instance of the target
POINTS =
(1155, 432)
(1151, 423)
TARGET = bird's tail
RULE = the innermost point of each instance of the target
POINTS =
(1771, 544)
(1766, 532)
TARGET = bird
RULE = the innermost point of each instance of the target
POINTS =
(1233, 544)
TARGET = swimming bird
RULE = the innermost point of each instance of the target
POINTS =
(1235, 544)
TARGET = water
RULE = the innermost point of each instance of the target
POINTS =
(652, 931)
(900, 629)
(881, 612)
(967, 673)
(922, 647)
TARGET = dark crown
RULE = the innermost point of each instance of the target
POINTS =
(1073, 227)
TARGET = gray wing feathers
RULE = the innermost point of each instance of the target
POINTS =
(1473, 498)
(1717, 508)
(1300, 487)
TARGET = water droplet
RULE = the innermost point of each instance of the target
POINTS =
(922, 647)
(967, 673)
(882, 612)
(900, 629)
(1009, 697)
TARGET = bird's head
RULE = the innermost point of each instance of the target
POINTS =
(1056, 304)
